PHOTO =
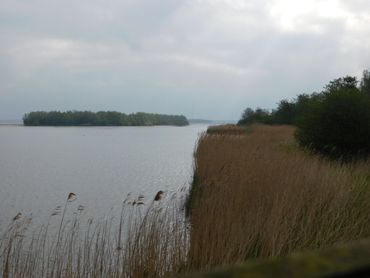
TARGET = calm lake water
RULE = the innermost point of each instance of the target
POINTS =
(39, 166)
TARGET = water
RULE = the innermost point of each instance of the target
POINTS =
(39, 166)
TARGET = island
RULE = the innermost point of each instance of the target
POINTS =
(101, 118)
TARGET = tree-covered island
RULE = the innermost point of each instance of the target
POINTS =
(101, 118)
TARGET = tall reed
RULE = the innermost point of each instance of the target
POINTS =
(259, 196)
(148, 240)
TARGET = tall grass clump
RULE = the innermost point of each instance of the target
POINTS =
(258, 196)
(150, 238)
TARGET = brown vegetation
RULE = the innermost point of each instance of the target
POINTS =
(148, 241)
(258, 196)
(226, 130)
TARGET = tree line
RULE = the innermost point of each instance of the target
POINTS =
(333, 122)
(101, 118)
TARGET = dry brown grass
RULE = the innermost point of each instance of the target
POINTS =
(226, 130)
(257, 196)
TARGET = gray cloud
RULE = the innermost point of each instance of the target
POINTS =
(202, 58)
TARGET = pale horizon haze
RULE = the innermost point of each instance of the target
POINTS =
(201, 58)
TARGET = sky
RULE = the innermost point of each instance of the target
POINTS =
(202, 58)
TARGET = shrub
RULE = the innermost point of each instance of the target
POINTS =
(338, 124)
(251, 116)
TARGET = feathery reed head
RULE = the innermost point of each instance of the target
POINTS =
(159, 195)
(18, 216)
(71, 197)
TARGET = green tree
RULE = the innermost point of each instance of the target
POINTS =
(347, 82)
(259, 115)
(285, 112)
(365, 82)
(337, 125)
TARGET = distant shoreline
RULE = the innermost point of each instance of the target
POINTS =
(101, 118)
(15, 124)
(20, 124)
(1, 124)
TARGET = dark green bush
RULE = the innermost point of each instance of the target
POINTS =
(337, 124)
(251, 116)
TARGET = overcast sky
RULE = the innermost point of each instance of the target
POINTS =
(201, 58)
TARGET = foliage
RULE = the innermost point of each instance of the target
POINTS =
(286, 113)
(101, 118)
(250, 116)
(365, 82)
(334, 122)
(343, 83)
(338, 125)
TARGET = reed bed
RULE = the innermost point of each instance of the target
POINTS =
(146, 241)
(256, 195)
(226, 130)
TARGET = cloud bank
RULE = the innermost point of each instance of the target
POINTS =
(201, 58)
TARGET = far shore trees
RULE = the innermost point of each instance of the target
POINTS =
(101, 118)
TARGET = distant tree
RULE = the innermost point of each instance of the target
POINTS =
(113, 118)
(347, 82)
(285, 112)
(365, 82)
(259, 115)
(101, 118)
(247, 113)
